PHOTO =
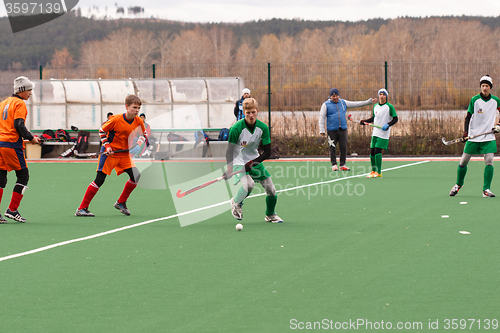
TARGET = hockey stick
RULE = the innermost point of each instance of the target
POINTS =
(447, 143)
(357, 121)
(77, 154)
(159, 142)
(181, 194)
(42, 140)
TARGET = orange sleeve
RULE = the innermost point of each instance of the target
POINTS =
(20, 110)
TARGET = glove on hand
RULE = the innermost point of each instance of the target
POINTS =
(226, 175)
(135, 150)
(465, 135)
(362, 122)
(248, 166)
(496, 129)
(385, 127)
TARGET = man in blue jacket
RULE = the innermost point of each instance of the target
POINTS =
(333, 115)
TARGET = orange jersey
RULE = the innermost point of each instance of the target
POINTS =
(117, 130)
(12, 108)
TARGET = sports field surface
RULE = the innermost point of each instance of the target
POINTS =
(352, 253)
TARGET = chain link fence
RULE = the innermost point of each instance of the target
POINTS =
(301, 88)
(305, 86)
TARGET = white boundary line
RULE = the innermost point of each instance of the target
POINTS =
(48, 247)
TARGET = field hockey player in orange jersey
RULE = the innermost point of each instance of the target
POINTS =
(114, 135)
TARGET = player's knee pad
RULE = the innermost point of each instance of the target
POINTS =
(23, 177)
(100, 178)
(3, 178)
(20, 188)
(136, 175)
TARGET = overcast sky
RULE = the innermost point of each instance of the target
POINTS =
(340, 10)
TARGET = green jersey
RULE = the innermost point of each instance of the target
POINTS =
(484, 113)
(247, 142)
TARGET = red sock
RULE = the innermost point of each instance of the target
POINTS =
(1, 194)
(89, 195)
(15, 201)
(129, 187)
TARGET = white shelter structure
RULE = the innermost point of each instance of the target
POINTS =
(169, 104)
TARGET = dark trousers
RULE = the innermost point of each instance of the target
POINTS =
(340, 140)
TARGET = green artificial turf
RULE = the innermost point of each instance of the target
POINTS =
(351, 250)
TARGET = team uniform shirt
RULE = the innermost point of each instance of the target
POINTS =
(11, 143)
(12, 108)
(246, 142)
(116, 133)
(483, 117)
(383, 114)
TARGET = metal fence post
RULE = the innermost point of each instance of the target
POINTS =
(41, 71)
(154, 71)
(269, 94)
(385, 75)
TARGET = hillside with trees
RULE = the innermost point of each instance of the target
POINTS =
(77, 41)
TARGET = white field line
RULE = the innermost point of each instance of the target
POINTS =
(48, 247)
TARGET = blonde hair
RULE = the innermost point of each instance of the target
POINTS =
(250, 103)
(132, 99)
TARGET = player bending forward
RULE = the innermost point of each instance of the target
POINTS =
(480, 118)
(244, 139)
(114, 135)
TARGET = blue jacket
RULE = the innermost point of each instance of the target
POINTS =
(335, 115)
(238, 109)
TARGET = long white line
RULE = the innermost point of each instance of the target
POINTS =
(48, 247)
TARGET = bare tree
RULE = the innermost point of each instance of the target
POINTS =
(62, 58)
(244, 55)
(191, 46)
(142, 47)
(268, 50)
(164, 45)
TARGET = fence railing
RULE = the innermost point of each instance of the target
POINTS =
(305, 86)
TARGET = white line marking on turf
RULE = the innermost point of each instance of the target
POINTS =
(52, 246)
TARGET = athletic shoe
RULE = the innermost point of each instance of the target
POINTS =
(14, 215)
(455, 190)
(2, 220)
(344, 168)
(488, 194)
(335, 167)
(372, 174)
(84, 212)
(379, 175)
(236, 210)
(122, 207)
(274, 219)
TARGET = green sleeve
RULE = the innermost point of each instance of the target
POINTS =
(471, 104)
(266, 137)
(392, 111)
(235, 132)
(497, 100)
